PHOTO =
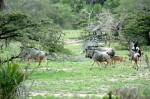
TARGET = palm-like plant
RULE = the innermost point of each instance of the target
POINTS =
(10, 78)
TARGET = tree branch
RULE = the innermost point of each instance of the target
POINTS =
(12, 58)
(9, 36)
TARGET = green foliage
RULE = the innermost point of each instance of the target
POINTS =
(137, 24)
(11, 23)
(135, 20)
(111, 4)
(17, 26)
(60, 14)
(10, 78)
(35, 8)
(131, 5)
(77, 5)
(63, 12)
(95, 2)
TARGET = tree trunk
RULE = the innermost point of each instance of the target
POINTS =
(2, 5)
(109, 37)
(109, 43)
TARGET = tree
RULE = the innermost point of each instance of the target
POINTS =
(111, 4)
(104, 26)
(60, 14)
(95, 2)
(16, 26)
(136, 25)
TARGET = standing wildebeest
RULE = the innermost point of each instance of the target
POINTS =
(35, 54)
(134, 53)
(98, 56)
(109, 51)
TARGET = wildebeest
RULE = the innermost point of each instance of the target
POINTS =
(35, 54)
(134, 53)
(109, 51)
(98, 56)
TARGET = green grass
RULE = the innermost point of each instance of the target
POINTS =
(75, 77)
(72, 33)
(79, 79)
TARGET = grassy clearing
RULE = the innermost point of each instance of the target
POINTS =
(70, 34)
(72, 78)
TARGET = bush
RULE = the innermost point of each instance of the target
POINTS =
(10, 78)
(129, 93)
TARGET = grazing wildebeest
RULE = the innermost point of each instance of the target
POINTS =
(35, 54)
(134, 53)
(98, 56)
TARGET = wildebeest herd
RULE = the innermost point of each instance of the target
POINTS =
(101, 54)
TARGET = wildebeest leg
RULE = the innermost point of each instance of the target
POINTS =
(109, 62)
(140, 59)
(98, 64)
(130, 60)
(39, 60)
(113, 64)
(28, 59)
(92, 65)
(106, 64)
(136, 64)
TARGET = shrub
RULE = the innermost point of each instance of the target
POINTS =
(10, 78)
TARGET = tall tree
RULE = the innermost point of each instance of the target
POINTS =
(136, 24)
(104, 26)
